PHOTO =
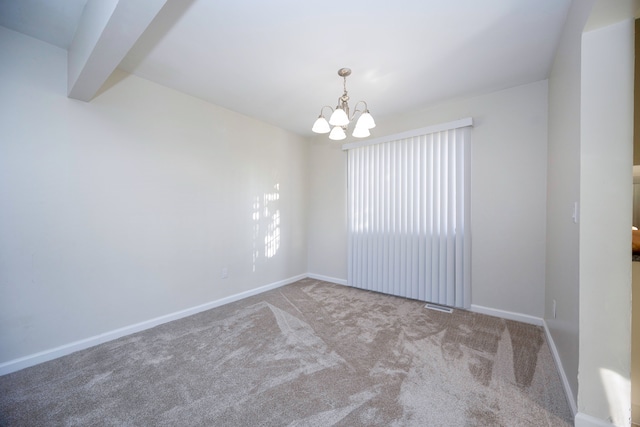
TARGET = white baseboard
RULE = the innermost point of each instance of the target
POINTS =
(63, 350)
(510, 315)
(538, 321)
(327, 279)
(47, 355)
(584, 420)
(560, 369)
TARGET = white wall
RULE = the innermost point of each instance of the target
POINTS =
(509, 152)
(606, 187)
(563, 191)
(327, 209)
(127, 208)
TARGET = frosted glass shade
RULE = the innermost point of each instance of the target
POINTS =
(366, 121)
(321, 125)
(337, 134)
(360, 132)
(339, 118)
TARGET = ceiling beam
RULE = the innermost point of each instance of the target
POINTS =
(106, 32)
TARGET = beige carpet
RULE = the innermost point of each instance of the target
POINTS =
(306, 354)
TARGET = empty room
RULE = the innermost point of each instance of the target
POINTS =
(409, 213)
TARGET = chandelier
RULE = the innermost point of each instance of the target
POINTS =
(340, 117)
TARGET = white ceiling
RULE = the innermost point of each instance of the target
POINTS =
(277, 61)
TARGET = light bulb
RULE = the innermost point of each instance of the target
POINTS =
(321, 125)
(366, 121)
(360, 132)
(339, 118)
(337, 134)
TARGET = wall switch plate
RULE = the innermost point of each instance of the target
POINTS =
(225, 273)
(575, 213)
(554, 309)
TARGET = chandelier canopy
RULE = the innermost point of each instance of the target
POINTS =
(340, 117)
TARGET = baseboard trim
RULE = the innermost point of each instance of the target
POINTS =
(584, 420)
(327, 279)
(510, 315)
(63, 350)
(563, 376)
(538, 321)
(47, 355)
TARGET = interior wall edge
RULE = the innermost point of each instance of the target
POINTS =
(563, 375)
(509, 315)
(66, 349)
(552, 346)
(328, 279)
(584, 420)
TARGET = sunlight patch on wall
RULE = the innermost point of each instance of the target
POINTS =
(266, 225)
(618, 389)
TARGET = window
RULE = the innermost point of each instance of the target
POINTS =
(409, 214)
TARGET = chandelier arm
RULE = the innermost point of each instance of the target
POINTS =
(322, 109)
(356, 111)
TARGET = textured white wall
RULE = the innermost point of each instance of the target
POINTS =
(606, 184)
(127, 208)
(509, 152)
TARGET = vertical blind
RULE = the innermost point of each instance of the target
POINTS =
(409, 215)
